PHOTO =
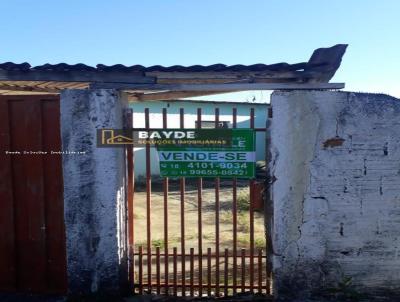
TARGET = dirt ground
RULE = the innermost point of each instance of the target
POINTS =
(191, 218)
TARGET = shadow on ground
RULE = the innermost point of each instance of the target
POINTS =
(238, 297)
(154, 298)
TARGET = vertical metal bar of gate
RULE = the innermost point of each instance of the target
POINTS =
(268, 206)
(130, 192)
(249, 276)
(148, 202)
(165, 195)
(259, 270)
(226, 270)
(175, 282)
(234, 215)
(200, 219)
(140, 263)
(209, 271)
(182, 189)
(158, 281)
(251, 212)
(217, 183)
(243, 270)
(192, 272)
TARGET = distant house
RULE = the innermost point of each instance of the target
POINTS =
(190, 121)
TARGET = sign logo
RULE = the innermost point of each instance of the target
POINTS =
(109, 137)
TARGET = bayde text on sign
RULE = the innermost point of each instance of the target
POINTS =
(107, 138)
(234, 158)
(156, 134)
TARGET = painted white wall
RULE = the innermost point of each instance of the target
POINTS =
(190, 109)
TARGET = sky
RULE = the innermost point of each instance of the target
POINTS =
(189, 32)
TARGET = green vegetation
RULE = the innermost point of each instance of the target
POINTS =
(345, 290)
(243, 222)
(243, 200)
(158, 243)
(243, 241)
(260, 243)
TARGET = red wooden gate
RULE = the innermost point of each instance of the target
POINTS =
(32, 240)
(200, 270)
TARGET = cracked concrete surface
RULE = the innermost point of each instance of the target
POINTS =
(94, 196)
(336, 161)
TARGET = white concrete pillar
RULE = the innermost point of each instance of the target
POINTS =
(94, 193)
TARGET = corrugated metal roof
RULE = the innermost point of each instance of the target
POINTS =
(320, 57)
(10, 66)
(52, 78)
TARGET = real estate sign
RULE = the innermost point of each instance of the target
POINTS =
(209, 153)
